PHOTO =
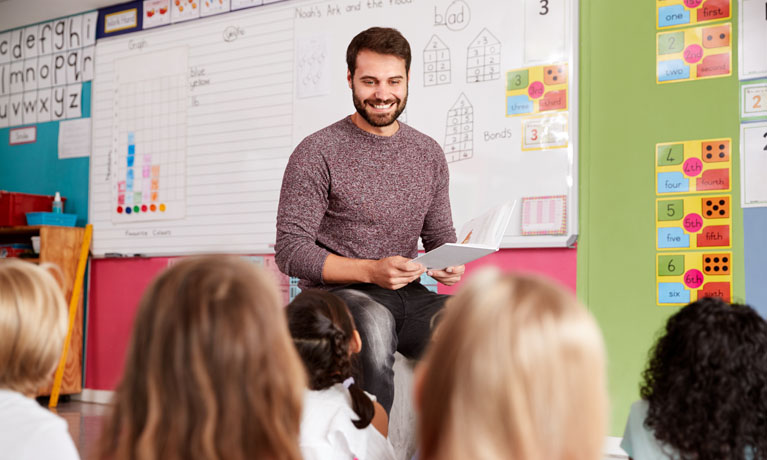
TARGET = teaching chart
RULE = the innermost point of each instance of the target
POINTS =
(693, 222)
(686, 277)
(693, 166)
(673, 13)
(752, 32)
(188, 156)
(693, 54)
(753, 100)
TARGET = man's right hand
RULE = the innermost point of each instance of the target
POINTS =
(394, 272)
(389, 273)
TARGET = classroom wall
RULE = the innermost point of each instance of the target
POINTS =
(117, 286)
(623, 114)
(36, 167)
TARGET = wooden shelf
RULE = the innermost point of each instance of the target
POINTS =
(59, 246)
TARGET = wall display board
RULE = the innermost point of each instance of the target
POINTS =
(208, 132)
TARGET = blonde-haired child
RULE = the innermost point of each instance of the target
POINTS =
(516, 372)
(33, 326)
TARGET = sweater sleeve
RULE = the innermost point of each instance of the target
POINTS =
(303, 202)
(438, 224)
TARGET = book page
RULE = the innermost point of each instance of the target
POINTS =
(487, 229)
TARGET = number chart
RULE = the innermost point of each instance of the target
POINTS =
(686, 277)
(459, 140)
(753, 99)
(545, 132)
(671, 13)
(693, 222)
(536, 90)
(693, 54)
(693, 166)
(149, 138)
(483, 62)
(436, 58)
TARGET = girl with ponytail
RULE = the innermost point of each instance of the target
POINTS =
(339, 419)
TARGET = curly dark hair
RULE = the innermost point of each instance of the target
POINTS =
(322, 329)
(706, 382)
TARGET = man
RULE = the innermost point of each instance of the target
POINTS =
(355, 198)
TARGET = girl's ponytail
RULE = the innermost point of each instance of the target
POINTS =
(322, 330)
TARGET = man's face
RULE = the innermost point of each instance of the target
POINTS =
(379, 87)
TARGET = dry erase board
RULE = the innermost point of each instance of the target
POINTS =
(193, 123)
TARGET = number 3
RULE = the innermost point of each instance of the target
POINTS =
(544, 7)
(535, 135)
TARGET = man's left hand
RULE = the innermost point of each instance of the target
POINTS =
(448, 276)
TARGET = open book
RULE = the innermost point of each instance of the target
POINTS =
(478, 237)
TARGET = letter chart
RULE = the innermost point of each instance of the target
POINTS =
(693, 221)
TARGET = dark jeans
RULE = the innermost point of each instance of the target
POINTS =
(390, 321)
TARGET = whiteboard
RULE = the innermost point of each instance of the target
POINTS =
(201, 117)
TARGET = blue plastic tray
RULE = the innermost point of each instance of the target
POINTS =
(51, 218)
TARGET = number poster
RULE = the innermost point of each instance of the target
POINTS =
(686, 277)
(672, 13)
(693, 166)
(693, 54)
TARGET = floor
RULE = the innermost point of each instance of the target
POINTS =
(85, 421)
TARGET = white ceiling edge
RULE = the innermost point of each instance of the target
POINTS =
(18, 13)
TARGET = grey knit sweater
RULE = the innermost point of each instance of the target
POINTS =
(355, 194)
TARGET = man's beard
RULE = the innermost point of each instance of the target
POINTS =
(379, 120)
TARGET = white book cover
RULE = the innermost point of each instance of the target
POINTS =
(478, 237)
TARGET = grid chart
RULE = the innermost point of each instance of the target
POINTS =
(459, 135)
(483, 62)
(149, 148)
(436, 62)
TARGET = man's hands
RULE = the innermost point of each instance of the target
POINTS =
(448, 276)
(394, 272)
(389, 273)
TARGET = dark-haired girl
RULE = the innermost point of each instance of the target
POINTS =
(704, 394)
(339, 419)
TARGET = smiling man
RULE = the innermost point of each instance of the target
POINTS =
(355, 198)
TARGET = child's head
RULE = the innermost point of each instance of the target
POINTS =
(210, 372)
(706, 381)
(324, 334)
(517, 372)
(33, 325)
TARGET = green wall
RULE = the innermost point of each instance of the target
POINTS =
(623, 114)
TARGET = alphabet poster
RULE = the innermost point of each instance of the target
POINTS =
(42, 69)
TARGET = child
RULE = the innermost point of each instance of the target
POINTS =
(516, 372)
(33, 326)
(705, 388)
(340, 420)
(210, 371)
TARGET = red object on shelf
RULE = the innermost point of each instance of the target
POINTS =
(14, 206)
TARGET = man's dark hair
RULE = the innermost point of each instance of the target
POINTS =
(381, 40)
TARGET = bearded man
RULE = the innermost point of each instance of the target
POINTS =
(355, 198)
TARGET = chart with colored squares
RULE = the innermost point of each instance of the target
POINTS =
(696, 222)
(149, 139)
(673, 13)
(693, 54)
(536, 90)
(693, 166)
(686, 277)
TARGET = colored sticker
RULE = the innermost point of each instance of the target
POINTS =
(685, 277)
(694, 222)
(705, 52)
(673, 13)
(693, 166)
(537, 89)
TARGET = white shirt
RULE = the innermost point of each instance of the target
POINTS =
(327, 431)
(29, 432)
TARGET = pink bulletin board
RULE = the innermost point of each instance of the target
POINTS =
(558, 264)
(118, 284)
